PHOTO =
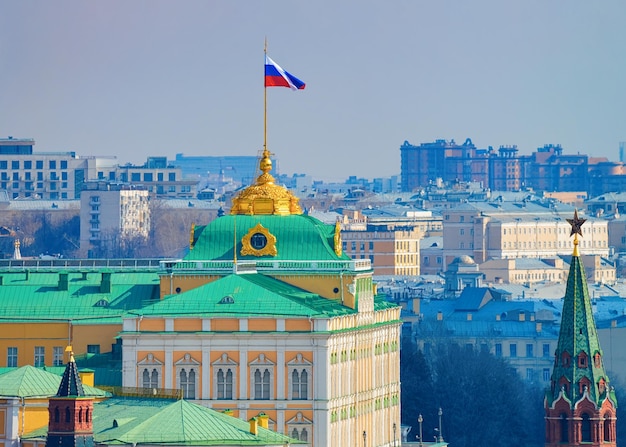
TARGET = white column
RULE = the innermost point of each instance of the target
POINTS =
(207, 377)
(280, 372)
(167, 366)
(129, 363)
(244, 376)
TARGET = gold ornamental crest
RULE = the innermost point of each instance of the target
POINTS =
(259, 242)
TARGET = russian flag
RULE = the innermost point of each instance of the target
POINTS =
(277, 77)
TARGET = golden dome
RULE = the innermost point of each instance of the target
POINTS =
(264, 197)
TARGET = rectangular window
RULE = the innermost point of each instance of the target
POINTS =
(498, 349)
(371, 245)
(135, 177)
(52, 164)
(546, 374)
(362, 246)
(39, 176)
(63, 164)
(16, 176)
(93, 349)
(160, 176)
(15, 164)
(353, 246)
(147, 177)
(40, 356)
(530, 374)
(28, 164)
(171, 177)
(4, 164)
(513, 350)
(64, 175)
(39, 164)
(529, 350)
(12, 357)
(546, 350)
(57, 356)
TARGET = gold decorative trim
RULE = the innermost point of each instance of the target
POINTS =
(192, 236)
(337, 239)
(270, 246)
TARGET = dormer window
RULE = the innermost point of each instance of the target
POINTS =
(227, 300)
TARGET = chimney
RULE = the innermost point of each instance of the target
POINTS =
(87, 376)
(538, 326)
(264, 420)
(64, 281)
(613, 323)
(254, 426)
(522, 316)
(469, 316)
(440, 316)
(497, 317)
(105, 285)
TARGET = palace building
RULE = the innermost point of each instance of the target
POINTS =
(267, 315)
(580, 405)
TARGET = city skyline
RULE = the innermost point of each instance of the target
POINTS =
(160, 78)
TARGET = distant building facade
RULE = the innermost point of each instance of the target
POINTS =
(547, 169)
(109, 213)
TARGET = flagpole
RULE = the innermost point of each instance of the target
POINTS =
(264, 103)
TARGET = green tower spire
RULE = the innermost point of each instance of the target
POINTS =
(580, 404)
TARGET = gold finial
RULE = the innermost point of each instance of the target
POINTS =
(266, 162)
(71, 351)
(576, 224)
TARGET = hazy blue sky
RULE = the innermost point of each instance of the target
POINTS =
(139, 78)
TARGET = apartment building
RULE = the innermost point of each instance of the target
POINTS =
(50, 175)
(525, 229)
(524, 332)
(111, 213)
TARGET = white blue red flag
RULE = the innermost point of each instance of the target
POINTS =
(275, 76)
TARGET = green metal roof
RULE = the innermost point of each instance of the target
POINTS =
(180, 423)
(37, 296)
(119, 421)
(298, 237)
(247, 295)
(31, 382)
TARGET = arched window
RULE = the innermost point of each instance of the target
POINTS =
(68, 415)
(304, 435)
(188, 383)
(224, 384)
(585, 428)
(150, 378)
(294, 434)
(607, 427)
(88, 415)
(57, 416)
(262, 384)
(299, 385)
(80, 415)
(564, 428)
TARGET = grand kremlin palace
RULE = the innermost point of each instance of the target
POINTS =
(265, 314)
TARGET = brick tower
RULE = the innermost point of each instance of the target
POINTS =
(580, 404)
(70, 412)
